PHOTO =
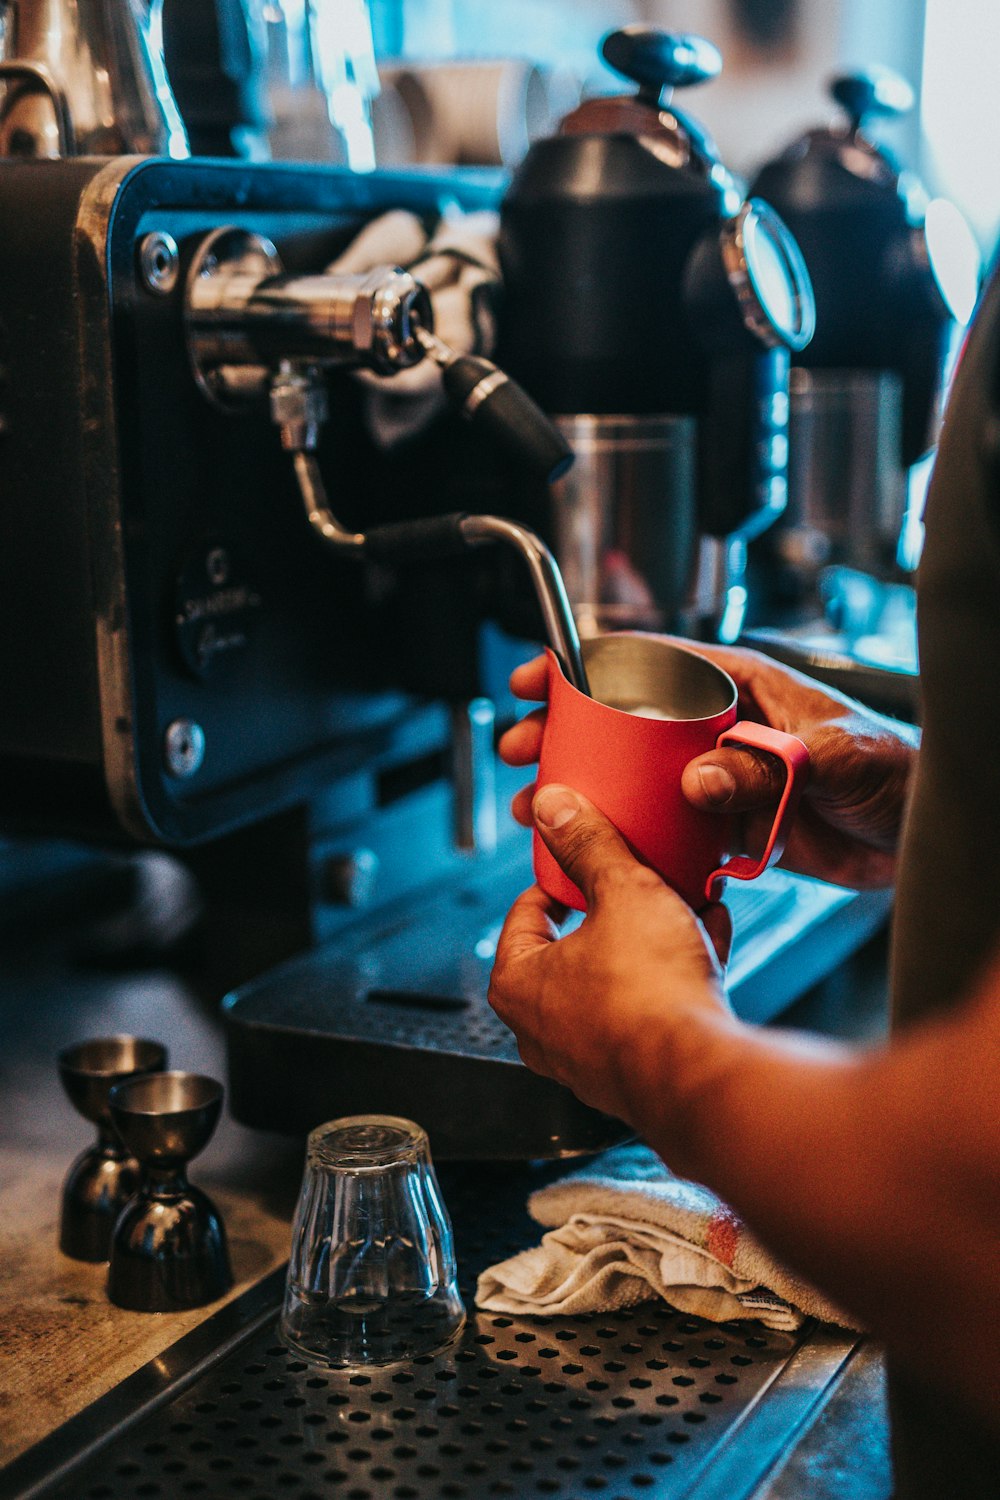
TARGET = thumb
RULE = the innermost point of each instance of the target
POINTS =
(734, 781)
(581, 839)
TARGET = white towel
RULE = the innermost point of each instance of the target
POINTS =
(458, 265)
(624, 1229)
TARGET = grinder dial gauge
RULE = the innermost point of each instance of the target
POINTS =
(765, 269)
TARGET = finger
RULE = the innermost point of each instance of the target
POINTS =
(582, 840)
(730, 780)
(531, 680)
(718, 925)
(532, 923)
(520, 805)
(520, 745)
(778, 694)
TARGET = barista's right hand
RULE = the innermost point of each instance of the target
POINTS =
(849, 820)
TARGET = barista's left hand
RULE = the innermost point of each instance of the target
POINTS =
(848, 824)
(603, 1009)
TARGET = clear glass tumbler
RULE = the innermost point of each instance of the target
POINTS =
(372, 1277)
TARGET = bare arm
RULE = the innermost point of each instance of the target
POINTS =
(877, 1174)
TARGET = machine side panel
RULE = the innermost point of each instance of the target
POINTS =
(47, 662)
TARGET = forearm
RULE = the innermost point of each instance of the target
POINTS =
(874, 1174)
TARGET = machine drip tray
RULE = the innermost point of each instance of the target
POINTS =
(627, 1405)
(393, 1018)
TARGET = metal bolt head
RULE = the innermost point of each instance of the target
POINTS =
(183, 748)
(159, 262)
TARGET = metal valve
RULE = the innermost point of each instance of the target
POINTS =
(246, 317)
(251, 326)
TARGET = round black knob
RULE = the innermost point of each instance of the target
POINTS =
(872, 91)
(658, 60)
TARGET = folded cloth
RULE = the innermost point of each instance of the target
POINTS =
(459, 266)
(624, 1229)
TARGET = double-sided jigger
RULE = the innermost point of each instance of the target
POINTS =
(168, 1250)
(372, 1276)
(105, 1176)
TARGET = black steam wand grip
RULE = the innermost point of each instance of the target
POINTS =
(500, 408)
(426, 540)
(504, 412)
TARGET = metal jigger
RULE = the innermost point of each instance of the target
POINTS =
(106, 1175)
(168, 1250)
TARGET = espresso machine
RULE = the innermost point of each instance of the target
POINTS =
(895, 276)
(653, 312)
(199, 653)
(234, 628)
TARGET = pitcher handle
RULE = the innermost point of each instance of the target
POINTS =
(795, 757)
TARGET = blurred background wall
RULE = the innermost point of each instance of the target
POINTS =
(778, 56)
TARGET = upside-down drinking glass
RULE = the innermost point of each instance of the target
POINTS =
(372, 1276)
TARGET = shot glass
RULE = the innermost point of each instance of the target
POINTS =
(168, 1247)
(105, 1176)
(372, 1277)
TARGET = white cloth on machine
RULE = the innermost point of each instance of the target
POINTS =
(624, 1229)
(459, 266)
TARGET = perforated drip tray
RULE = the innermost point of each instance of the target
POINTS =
(645, 1403)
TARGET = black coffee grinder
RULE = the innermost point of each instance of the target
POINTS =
(652, 312)
(895, 275)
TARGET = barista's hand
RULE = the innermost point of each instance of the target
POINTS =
(848, 824)
(854, 1167)
(604, 1009)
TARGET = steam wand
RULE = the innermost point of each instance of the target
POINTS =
(253, 328)
(298, 406)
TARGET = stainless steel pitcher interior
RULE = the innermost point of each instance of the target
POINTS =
(634, 671)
